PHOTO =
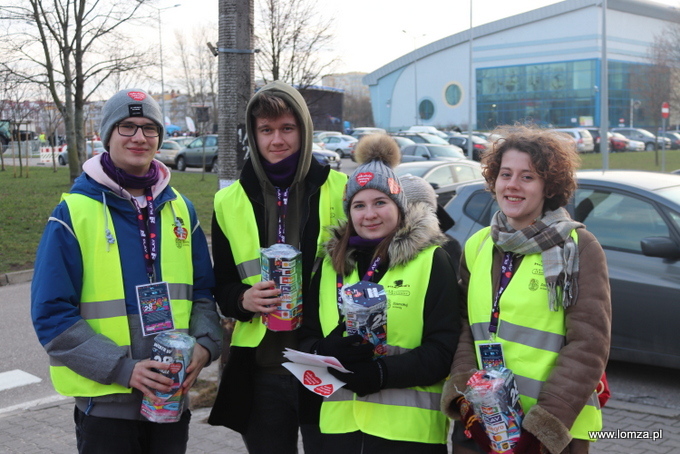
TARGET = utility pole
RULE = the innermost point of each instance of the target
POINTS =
(236, 75)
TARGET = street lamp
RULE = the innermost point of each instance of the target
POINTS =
(160, 44)
(415, 74)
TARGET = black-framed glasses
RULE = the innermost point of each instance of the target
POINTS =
(130, 129)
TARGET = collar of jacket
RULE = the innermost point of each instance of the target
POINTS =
(420, 231)
(316, 176)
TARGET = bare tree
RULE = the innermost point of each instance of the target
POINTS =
(199, 69)
(71, 47)
(19, 109)
(357, 110)
(292, 38)
(651, 84)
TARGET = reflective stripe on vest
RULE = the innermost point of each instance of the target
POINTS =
(236, 218)
(408, 414)
(102, 299)
(532, 335)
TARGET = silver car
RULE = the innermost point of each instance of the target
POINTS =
(202, 150)
(635, 216)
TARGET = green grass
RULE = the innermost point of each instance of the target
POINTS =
(26, 203)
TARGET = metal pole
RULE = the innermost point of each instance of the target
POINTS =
(663, 144)
(604, 93)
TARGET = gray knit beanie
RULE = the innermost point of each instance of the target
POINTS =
(377, 155)
(132, 102)
(418, 190)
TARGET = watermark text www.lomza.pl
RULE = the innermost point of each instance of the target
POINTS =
(627, 435)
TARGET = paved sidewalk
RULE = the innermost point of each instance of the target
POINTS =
(49, 429)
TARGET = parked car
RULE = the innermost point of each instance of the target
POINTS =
(431, 151)
(342, 144)
(326, 157)
(633, 145)
(93, 149)
(428, 130)
(478, 144)
(619, 142)
(362, 131)
(635, 216)
(674, 137)
(581, 136)
(318, 136)
(402, 141)
(421, 137)
(183, 141)
(644, 136)
(595, 134)
(193, 154)
(167, 154)
(444, 176)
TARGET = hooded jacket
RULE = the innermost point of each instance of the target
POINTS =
(58, 278)
(580, 363)
(428, 363)
(302, 231)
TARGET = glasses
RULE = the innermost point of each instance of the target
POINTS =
(130, 129)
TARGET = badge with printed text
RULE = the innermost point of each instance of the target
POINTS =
(491, 354)
(155, 312)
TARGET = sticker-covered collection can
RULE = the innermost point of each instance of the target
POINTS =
(176, 349)
(282, 263)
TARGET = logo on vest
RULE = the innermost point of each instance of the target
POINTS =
(533, 285)
(181, 234)
(398, 288)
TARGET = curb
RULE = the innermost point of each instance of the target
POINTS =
(17, 277)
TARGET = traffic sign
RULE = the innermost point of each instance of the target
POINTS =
(665, 110)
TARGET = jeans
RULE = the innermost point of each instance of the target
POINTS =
(274, 423)
(95, 435)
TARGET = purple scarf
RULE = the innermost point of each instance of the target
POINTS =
(124, 179)
(282, 173)
(363, 243)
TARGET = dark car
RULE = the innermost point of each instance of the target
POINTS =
(444, 176)
(674, 136)
(430, 151)
(202, 149)
(478, 144)
(327, 157)
(635, 216)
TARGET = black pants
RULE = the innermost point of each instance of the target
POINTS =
(361, 443)
(97, 435)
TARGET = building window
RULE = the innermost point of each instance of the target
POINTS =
(426, 109)
(453, 94)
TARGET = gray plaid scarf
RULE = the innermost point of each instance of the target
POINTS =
(551, 236)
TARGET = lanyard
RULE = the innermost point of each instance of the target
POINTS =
(282, 208)
(367, 277)
(148, 232)
(506, 275)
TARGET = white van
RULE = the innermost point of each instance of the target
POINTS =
(582, 137)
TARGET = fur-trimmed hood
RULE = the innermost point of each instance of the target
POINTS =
(420, 230)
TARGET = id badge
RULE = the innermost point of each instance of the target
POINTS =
(154, 308)
(491, 354)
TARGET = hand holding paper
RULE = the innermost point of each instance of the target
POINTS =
(312, 371)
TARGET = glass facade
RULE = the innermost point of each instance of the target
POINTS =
(560, 94)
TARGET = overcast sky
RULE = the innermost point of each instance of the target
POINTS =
(371, 33)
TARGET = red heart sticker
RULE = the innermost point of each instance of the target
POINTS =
(137, 95)
(364, 178)
(310, 378)
(325, 390)
(175, 367)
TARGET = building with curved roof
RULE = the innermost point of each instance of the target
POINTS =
(541, 66)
